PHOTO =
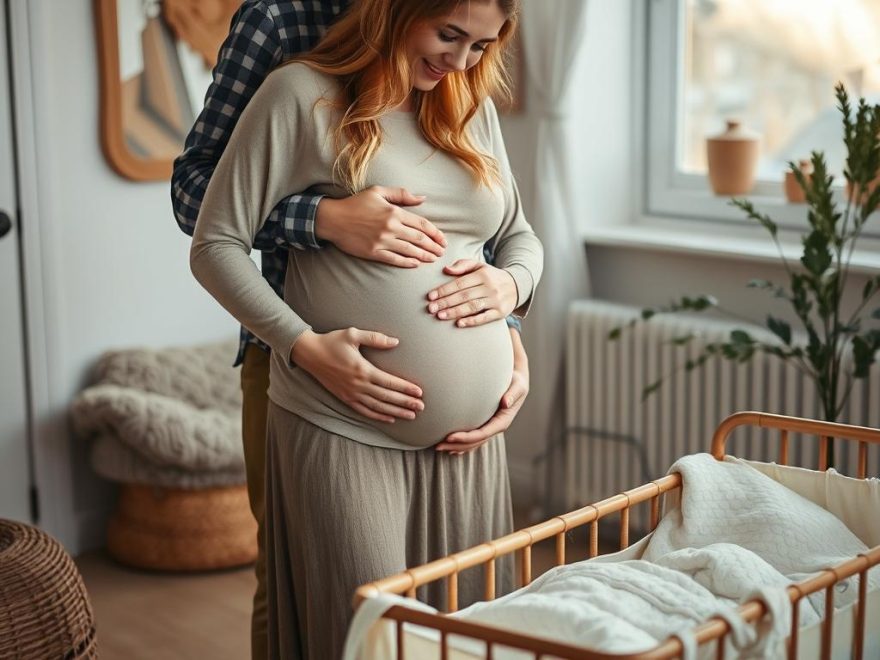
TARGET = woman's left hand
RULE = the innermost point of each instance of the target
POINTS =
(480, 293)
(462, 442)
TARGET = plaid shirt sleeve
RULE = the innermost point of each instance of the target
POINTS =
(252, 49)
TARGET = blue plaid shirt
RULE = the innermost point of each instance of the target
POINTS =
(263, 34)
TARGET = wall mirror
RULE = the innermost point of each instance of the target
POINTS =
(155, 63)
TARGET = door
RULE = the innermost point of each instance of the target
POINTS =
(15, 468)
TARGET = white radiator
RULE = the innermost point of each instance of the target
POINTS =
(611, 433)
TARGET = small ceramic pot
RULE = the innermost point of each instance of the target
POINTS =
(733, 159)
(793, 192)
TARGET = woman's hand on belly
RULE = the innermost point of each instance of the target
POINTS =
(334, 360)
(480, 293)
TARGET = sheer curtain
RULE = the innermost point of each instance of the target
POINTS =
(553, 33)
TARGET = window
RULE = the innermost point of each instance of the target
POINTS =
(771, 66)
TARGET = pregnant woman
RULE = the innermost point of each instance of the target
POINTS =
(398, 90)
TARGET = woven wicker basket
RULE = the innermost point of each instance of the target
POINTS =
(172, 529)
(44, 608)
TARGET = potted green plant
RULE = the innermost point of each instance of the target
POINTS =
(836, 348)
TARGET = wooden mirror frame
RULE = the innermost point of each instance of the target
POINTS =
(121, 159)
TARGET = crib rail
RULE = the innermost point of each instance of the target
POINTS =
(824, 431)
(715, 629)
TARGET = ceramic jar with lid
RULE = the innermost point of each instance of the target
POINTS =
(793, 191)
(733, 159)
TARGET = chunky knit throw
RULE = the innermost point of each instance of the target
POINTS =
(167, 417)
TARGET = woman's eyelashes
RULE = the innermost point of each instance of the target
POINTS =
(450, 38)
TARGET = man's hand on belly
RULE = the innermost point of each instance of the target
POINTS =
(335, 361)
(480, 293)
(462, 442)
(374, 225)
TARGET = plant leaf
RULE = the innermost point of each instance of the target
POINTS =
(780, 328)
(650, 389)
(684, 340)
(863, 356)
(816, 257)
(741, 337)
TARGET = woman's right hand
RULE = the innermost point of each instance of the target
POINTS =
(334, 360)
(373, 225)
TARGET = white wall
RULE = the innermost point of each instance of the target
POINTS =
(602, 158)
(113, 265)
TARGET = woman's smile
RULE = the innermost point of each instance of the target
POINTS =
(434, 72)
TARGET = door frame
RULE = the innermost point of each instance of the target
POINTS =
(49, 435)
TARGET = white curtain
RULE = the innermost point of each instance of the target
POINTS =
(553, 33)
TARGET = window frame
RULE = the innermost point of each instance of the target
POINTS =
(667, 192)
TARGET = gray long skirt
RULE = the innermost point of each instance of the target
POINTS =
(340, 513)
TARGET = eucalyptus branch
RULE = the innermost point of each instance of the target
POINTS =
(816, 285)
(767, 223)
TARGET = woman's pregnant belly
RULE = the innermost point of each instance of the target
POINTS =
(463, 372)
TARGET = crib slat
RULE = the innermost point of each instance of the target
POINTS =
(863, 460)
(526, 568)
(624, 528)
(452, 592)
(594, 538)
(655, 511)
(560, 549)
(401, 654)
(783, 447)
(823, 453)
(828, 623)
(795, 628)
(719, 649)
(859, 634)
(444, 646)
(489, 651)
(490, 580)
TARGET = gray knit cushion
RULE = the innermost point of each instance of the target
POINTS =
(116, 462)
(178, 408)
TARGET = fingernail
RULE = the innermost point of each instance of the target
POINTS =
(462, 323)
(442, 315)
(394, 341)
(432, 307)
(432, 295)
(410, 415)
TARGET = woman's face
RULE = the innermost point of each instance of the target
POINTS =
(452, 43)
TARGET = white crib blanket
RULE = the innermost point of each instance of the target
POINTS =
(736, 534)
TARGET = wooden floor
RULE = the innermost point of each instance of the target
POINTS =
(143, 615)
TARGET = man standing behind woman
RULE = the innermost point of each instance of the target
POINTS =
(374, 224)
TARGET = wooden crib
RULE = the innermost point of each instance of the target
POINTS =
(712, 630)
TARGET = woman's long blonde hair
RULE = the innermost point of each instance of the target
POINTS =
(366, 50)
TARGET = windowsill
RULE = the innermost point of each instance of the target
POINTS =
(684, 240)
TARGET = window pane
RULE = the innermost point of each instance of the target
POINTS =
(773, 64)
